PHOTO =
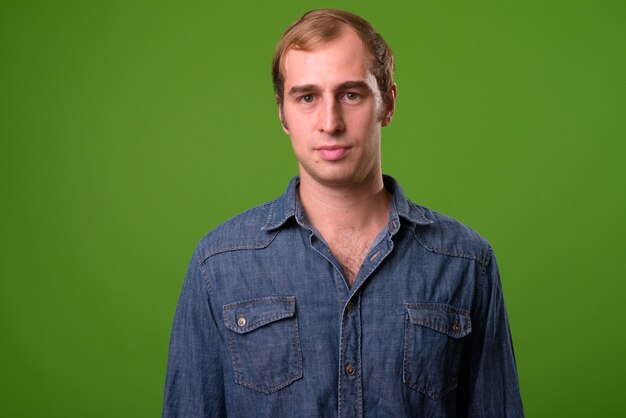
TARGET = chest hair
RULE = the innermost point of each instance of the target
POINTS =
(350, 249)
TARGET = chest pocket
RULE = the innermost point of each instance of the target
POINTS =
(433, 342)
(264, 342)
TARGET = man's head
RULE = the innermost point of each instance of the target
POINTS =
(331, 102)
(320, 26)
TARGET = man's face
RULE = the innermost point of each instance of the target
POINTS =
(333, 112)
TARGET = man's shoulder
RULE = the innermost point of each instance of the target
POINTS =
(243, 231)
(448, 236)
(439, 233)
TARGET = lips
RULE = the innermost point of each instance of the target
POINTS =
(332, 152)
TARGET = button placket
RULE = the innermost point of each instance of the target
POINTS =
(350, 404)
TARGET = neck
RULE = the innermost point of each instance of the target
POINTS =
(364, 206)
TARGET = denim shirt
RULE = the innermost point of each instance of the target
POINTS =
(266, 325)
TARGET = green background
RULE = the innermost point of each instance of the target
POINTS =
(129, 129)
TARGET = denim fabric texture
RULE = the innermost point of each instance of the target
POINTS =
(266, 325)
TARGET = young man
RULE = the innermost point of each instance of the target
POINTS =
(341, 297)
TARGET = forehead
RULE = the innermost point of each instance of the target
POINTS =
(343, 58)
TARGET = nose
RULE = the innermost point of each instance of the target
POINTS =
(330, 117)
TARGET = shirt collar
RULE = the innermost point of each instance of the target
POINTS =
(284, 207)
(403, 206)
(288, 206)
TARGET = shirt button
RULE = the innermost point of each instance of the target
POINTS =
(350, 369)
(241, 322)
(350, 307)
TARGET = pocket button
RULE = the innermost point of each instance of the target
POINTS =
(241, 322)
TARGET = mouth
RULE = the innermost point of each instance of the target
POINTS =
(332, 152)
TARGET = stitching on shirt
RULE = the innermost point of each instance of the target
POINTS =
(445, 251)
(439, 306)
(209, 286)
(270, 217)
(409, 347)
(239, 247)
(483, 275)
(263, 299)
(205, 276)
(263, 319)
(421, 216)
(258, 323)
(443, 330)
(457, 315)
(294, 343)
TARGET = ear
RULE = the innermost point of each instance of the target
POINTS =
(390, 105)
(281, 115)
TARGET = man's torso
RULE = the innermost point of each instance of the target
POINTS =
(297, 338)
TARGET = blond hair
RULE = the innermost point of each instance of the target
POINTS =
(324, 25)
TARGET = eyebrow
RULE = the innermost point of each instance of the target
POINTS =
(359, 85)
(346, 85)
(302, 89)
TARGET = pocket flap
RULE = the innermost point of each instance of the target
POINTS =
(247, 315)
(441, 317)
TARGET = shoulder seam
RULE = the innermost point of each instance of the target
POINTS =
(205, 275)
(445, 251)
(219, 250)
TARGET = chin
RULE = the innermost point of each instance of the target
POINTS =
(337, 179)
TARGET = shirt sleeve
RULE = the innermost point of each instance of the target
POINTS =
(488, 386)
(194, 384)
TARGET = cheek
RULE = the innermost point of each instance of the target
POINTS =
(365, 116)
(295, 121)
(297, 144)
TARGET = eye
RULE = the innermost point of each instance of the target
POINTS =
(351, 96)
(307, 98)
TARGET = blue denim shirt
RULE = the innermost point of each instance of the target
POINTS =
(266, 325)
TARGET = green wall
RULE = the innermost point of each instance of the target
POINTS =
(130, 128)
